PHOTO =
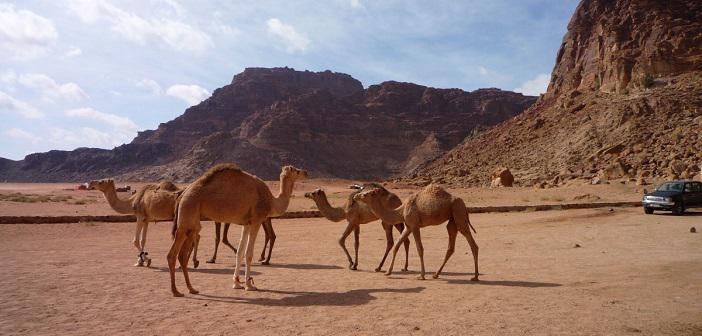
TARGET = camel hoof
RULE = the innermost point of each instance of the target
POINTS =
(237, 285)
(193, 291)
(211, 261)
(388, 273)
(405, 269)
(139, 264)
(353, 267)
(148, 262)
(251, 289)
(475, 278)
(435, 276)
(196, 263)
(378, 269)
(177, 294)
(420, 277)
(265, 263)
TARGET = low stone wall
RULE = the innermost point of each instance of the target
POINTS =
(309, 214)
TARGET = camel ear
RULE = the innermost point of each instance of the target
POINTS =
(355, 186)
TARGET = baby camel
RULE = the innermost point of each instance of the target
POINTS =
(431, 206)
(357, 213)
(225, 193)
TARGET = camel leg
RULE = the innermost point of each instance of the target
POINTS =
(420, 250)
(405, 234)
(452, 232)
(401, 227)
(356, 244)
(251, 242)
(225, 240)
(193, 249)
(465, 231)
(270, 236)
(239, 256)
(218, 228)
(144, 254)
(139, 227)
(342, 242)
(172, 255)
(462, 219)
(389, 242)
(189, 244)
(266, 239)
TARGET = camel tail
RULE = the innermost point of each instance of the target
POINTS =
(174, 228)
(460, 210)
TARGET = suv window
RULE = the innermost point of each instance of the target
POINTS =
(696, 187)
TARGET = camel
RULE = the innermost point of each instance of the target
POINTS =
(153, 202)
(357, 213)
(431, 206)
(226, 193)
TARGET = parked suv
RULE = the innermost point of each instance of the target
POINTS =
(675, 196)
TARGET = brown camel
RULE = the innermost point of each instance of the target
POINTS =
(431, 206)
(151, 203)
(225, 193)
(357, 213)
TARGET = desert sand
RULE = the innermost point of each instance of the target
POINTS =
(632, 274)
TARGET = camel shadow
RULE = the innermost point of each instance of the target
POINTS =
(303, 266)
(353, 297)
(509, 283)
(686, 213)
(229, 271)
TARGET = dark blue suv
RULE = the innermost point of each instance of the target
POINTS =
(674, 196)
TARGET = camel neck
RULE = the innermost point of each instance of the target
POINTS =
(117, 204)
(281, 202)
(334, 214)
(389, 216)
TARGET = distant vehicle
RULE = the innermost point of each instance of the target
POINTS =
(675, 196)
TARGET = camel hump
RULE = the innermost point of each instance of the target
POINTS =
(222, 167)
(167, 185)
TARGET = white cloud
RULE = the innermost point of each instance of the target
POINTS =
(287, 34)
(24, 33)
(118, 122)
(356, 4)
(176, 34)
(22, 135)
(193, 94)
(9, 77)
(86, 137)
(150, 85)
(74, 52)
(482, 70)
(10, 104)
(535, 86)
(50, 89)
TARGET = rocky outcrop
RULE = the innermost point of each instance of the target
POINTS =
(502, 177)
(625, 100)
(324, 122)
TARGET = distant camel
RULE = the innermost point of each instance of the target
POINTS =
(431, 206)
(357, 213)
(226, 193)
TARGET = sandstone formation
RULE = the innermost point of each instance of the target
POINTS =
(325, 122)
(624, 101)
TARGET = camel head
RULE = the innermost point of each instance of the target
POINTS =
(315, 194)
(102, 185)
(293, 173)
(373, 191)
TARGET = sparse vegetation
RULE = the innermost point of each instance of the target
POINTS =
(552, 198)
(34, 198)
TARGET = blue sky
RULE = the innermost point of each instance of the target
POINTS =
(91, 73)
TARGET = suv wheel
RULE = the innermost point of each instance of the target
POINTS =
(648, 211)
(678, 209)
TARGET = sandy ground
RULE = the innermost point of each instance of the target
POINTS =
(633, 275)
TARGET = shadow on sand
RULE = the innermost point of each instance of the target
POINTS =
(229, 271)
(685, 214)
(509, 283)
(353, 297)
(302, 266)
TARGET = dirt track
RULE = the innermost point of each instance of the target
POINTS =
(634, 274)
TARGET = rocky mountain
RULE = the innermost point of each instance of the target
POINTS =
(624, 101)
(324, 122)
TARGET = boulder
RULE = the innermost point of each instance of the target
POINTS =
(502, 177)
